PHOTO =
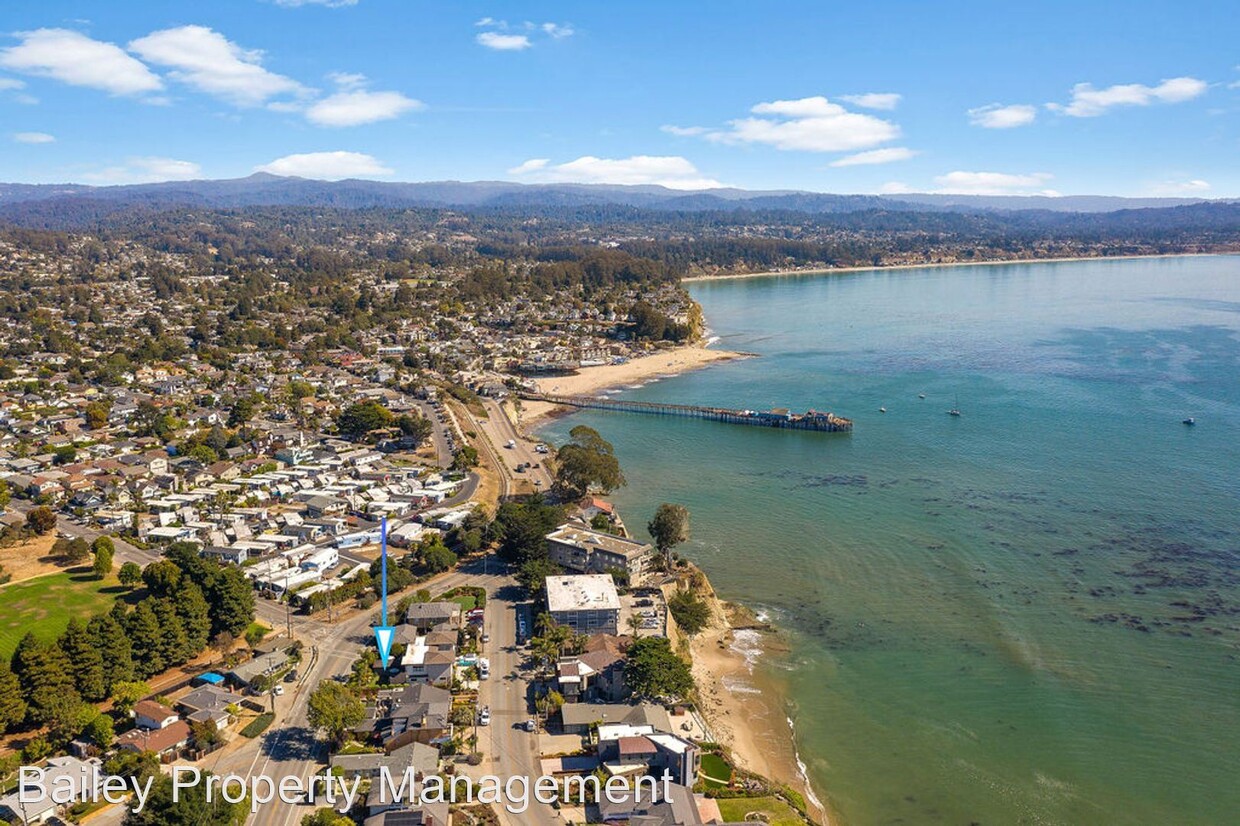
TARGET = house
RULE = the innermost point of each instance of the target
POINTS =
(383, 813)
(578, 718)
(633, 751)
(209, 702)
(427, 663)
(236, 555)
(597, 674)
(587, 603)
(420, 713)
(62, 776)
(264, 665)
(681, 808)
(428, 615)
(423, 759)
(167, 742)
(149, 714)
(582, 550)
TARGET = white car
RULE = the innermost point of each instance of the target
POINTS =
(484, 717)
(278, 690)
(531, 725)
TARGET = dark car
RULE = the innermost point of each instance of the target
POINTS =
(291, 677)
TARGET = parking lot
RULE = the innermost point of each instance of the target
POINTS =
(649, 608)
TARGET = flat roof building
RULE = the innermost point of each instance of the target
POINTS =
(586, 551)
(586, 603)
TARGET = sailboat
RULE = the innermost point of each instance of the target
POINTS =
(955, 411)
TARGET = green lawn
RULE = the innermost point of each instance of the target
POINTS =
(775, 812)
(716, 769)
(45, 604)
(258, 725)
(468, 602)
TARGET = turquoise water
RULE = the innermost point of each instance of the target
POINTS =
(1027, 614)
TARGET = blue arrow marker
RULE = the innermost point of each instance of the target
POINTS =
(384, 632)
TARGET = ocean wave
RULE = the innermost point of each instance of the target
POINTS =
(747, 643)
(803, 770)
(736, 685)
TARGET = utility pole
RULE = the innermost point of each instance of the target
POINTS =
(288, 614)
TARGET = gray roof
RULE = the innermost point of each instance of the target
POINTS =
(644, 714)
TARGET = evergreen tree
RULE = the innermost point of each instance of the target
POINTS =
(173, 645)
(12, 706)
(86, 661)
(195, 615)
(45, 676)
(232, 602)
(111, 641)
(144, 634)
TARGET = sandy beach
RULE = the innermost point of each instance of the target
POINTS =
(592, 380)
(744, 715)
(1006, 262)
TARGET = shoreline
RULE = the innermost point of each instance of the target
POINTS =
(746, 712)
(697, 279)
(631, 374)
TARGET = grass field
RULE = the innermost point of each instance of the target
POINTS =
(774, 812)
(45, 604)
(716, 771)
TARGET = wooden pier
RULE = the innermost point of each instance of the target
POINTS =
(811, 420)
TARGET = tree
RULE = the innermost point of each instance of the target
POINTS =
(76, 550)
(533, 574)
(161, 577)
(41, 520)
(188, 807)
(174, 646)
(102, 566)
(326, 816)
(360, 418)
(195, 615)
(125, 695)
(108, 636)
(146, 637)
(231, 600)
(334, 709)
(96, 414)
(586, 463)
(242, 411)
(417, 427)
(130, 574)
(654, 671)
(100, 730)
(691, 612)
(465, 457)
(522, 528)
(435, 555)
(669, 528)
(12, 705)
(85, 661)
(46, 679)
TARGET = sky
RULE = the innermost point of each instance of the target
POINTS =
(1138, 99)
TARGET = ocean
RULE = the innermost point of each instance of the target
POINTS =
(1029, 613)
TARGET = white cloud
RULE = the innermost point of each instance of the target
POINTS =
(876, 156)
(206, 60)
(993, 183)
(72, 57)
(812, 124)
(684, 131)
(1088, 102)
(330, 166)
(499, 38)
(10, 83)
(147, 170)
(998, 116)
(895, 188)
(358, 106)
(504, 42)
(347, 80)
(34, 137)
(1193, 187)
(672, 172)
(875, 100)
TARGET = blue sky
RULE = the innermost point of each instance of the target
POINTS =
(1141, 98)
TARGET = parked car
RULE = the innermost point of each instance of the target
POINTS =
(291, 676)
(531, 725)
(278, 690)
(484, 717)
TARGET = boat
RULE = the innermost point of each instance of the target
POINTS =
(955, 411)
(882, 410)
(921, 395)
(1190, 421)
